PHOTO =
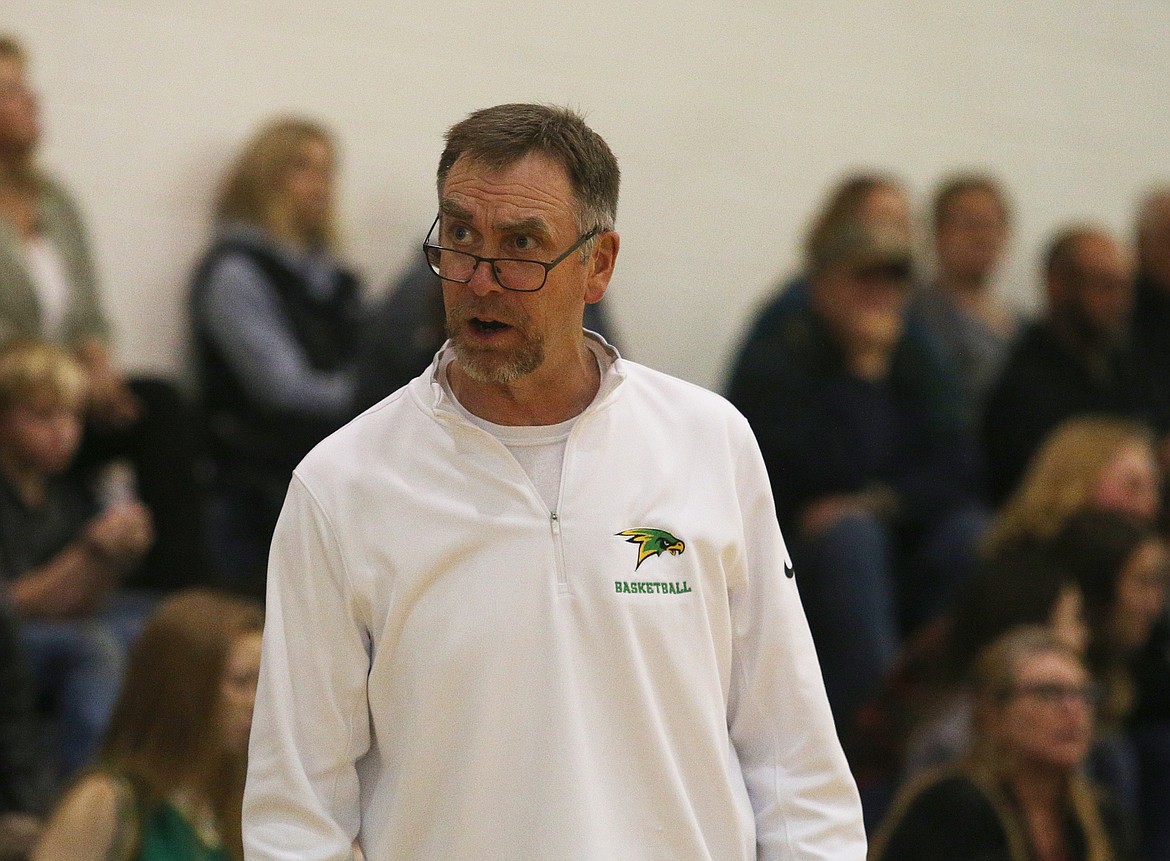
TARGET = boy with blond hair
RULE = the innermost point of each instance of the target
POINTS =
(60, 557)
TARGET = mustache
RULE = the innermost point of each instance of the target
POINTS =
(484, 308)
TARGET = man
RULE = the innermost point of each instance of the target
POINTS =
(533, 605)
(872, 465)
(1077, 359)
(972, 225)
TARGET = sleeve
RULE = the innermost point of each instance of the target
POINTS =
(245, 320)
(86, 318)
(804, 798)
(311, 722)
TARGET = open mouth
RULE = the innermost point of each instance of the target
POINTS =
(487, 327)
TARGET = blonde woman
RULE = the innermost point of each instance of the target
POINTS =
(1097, 462)
(1021, 795)
(170, 778)
(275, 317)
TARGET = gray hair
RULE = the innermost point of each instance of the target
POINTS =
(500, 136)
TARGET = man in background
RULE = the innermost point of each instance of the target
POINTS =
(1077, 359)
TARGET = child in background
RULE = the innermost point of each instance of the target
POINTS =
(169, 781)
(60, 557)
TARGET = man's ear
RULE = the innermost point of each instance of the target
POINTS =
(601, 263)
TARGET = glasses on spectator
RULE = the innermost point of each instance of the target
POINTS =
(511, 273)
(1051, 693)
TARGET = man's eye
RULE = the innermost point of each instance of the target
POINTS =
(460, 234)
(524, 243)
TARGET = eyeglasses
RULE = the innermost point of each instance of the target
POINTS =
(511, 273)
(1051, 694)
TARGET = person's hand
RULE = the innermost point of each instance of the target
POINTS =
(111, 402)
(121, 533)
(822, 514)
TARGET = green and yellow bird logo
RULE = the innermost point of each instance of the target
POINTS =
(652, 542)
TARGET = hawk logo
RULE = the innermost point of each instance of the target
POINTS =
(652, 542)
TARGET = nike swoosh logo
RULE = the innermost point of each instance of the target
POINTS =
(789, 571)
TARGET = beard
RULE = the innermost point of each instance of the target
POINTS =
(491, 364)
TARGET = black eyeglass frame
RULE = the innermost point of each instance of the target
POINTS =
(492, 261)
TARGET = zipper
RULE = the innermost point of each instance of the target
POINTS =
(554, 522)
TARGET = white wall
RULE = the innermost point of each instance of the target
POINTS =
(730, 120)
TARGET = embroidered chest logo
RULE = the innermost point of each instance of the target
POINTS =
(652, 542)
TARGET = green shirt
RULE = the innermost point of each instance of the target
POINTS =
(169, 837)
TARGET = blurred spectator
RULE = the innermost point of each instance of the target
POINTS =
(49, 291)
(276, 321)
(60, 556)
(1151, 318)
(24, 785)
(1116, 568)
(867, 197)
(972, 224)
(1075, 361)
(1149, 728)
(402, 333)
(170, 777)
(1021, 792)
(922, 716)
(873, 472)
(1025, 588)
(1087, 462)
(1122, 569)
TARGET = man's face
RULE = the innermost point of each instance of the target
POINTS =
(971, 235)
(19, 125)
(1096, 292)
(525, 211)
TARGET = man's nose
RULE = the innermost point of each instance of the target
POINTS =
(483, 278)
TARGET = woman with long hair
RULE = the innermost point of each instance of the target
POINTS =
(1021, 794)
(169, 781)
(276, 319)
(1099, 462)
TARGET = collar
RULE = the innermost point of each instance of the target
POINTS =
(432, 395)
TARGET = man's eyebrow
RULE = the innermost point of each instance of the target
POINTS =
(452, 209)
(532, 224)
